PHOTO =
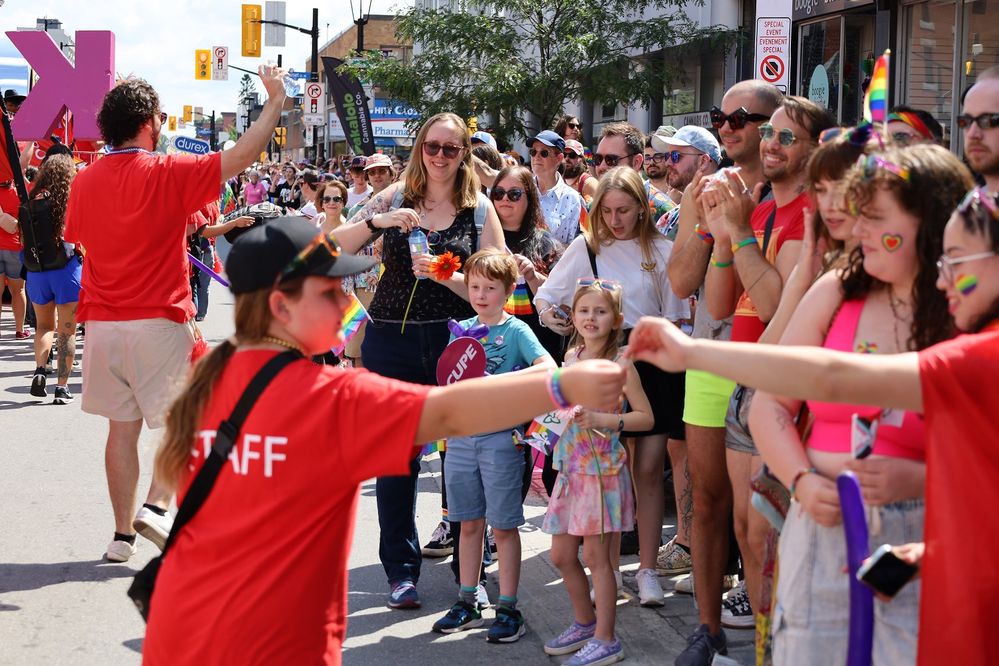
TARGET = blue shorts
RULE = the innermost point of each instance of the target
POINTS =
(61, 285)
(484, 476)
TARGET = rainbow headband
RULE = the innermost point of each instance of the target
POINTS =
(913, 121)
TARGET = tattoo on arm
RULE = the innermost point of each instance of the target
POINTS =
(378, 204)
(781, 418)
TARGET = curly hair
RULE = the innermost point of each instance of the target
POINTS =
(126, 108)
(54, 176)
(935, 184)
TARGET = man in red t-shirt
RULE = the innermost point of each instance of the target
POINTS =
(755, 248)
(129, 210)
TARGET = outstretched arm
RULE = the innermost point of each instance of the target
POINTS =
(806, 373)
(255, 139)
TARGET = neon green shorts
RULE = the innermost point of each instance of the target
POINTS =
(706, 399)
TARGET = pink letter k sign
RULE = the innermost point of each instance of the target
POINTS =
(61, 84)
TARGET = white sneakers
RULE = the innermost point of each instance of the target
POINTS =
(153, 526)
(119, 551)
(649, 592)
(620, 588)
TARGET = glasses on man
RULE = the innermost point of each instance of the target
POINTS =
(785, 137)
(451, 151)
(655, 158)
(163, 117)
(544, 153)
(513, 194)
(569, 155)
(334, 199)
(606, 285)
(302, 258)
(984, 121)
(612, 160)
(675, 156)
(945, 264)
(736, 120)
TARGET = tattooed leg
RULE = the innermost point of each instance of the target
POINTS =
(66, 342)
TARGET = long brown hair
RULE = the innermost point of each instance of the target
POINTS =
(466, 185)
(253, 319)
(55, 176)
(615, 299)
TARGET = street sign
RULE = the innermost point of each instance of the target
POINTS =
(773, 42)
(220, 65)
(251, 31)
(315, 99)
(189, 145)
(202, 65)
(313, 119)
(274, 34)
(302, 76)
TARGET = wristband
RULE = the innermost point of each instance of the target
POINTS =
(555, 390)
(720, 264)
(797, 477)
(370, 224)
(620, 425)
(704, 235)
(743, 243)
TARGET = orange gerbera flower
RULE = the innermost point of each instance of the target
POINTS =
(444, 266)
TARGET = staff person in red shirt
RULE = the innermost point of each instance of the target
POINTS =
(259, 574)
(130, 211)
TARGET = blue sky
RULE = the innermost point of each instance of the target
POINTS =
(157, 40)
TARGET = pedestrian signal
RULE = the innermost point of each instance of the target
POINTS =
(251, 31)
(203, 64)
(188, 113)
(172, 124)
(280, 134)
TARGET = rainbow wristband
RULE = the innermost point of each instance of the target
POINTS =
(797, 477)
(721, 264)
(743, 243)
(704, 235)
(555, 390)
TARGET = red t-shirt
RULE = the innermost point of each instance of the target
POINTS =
(789, 225)
(130, 212)
(10, 203)
(960, 579)
(259, 575)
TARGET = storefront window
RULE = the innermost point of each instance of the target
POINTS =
(820, 61)
(929, 48)
(981, 41)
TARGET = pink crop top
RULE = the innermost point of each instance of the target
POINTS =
(831, 429)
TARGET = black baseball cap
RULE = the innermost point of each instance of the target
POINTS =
(265, 251)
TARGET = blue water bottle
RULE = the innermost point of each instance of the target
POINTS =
(418, 245)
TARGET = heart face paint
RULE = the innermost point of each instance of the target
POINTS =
(966, 283)
(891, 242)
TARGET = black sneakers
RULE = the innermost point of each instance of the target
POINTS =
(38, 383)
(441, 543)
(702, 648)
(62, 396)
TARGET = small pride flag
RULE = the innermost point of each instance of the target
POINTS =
(876, 99)
(353, 319)
(434, 447)
(519, 302)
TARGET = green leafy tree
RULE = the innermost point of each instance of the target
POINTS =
(246, 87)
(507, 57)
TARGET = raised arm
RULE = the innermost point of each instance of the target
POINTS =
(255, 139)
(688, 264)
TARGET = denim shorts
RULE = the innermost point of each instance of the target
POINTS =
(484, 475)
(10, 264)
(61, 285)
(812, 614)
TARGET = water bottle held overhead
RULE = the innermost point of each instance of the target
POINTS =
(418, 245)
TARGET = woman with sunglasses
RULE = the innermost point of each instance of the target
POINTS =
(623, 244)
(331, 198)
(884, 301)
(952, 384)
(409, 313)
(569, 128)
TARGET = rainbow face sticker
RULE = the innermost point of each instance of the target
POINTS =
(891, 242)
(966, 284)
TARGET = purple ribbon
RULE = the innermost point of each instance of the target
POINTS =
(851, 504)
(459, 331)
(218, 278)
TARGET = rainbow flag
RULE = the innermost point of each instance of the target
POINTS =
(519, 302)
(876, 98)
(353, 319)
(228, 203)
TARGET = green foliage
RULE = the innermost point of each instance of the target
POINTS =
(506, 57)
(246, 87)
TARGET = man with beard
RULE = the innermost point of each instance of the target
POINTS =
(130, 210)
(655, 162)
(754, 249)
(681, 155)
(575, 173)
(980, 122)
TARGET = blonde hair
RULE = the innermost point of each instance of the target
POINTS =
(615, 299)
(492, 264)
(466, 187)
(626, 180)
(253, 319)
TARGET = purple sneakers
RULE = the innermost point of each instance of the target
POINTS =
(404, 596)
(570, 640)
(598, 653)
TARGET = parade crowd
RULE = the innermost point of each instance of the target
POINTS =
(749, 311)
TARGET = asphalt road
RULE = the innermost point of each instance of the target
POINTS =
(60, 603)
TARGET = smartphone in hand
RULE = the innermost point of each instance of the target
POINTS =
(885, 572)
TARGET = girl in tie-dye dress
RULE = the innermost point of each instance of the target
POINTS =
(593, 495)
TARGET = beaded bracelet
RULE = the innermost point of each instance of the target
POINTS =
(555, 390)
(743, 243)
(721, 264)
(704, 235)
(797, 477)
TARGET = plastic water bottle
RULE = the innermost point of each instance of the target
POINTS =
(418, 245)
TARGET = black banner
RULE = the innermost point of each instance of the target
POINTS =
(351, 107)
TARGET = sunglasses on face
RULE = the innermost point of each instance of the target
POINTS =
(451, 151)
(606, 285)
(675, 156)
(163, 117)
(785, 137)
(871, 164)
(569, 155)
(904, 138)
(544, 153)
(984, 121)
(736, 120)
(302, 258)
(612, 160)
(573, 125)
(378, 171)
(334, 199)
(945, 264)
(513, 194)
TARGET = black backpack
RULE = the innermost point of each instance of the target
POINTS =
(42, 250)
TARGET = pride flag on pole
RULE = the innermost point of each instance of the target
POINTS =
(353, 319)
(876, 98)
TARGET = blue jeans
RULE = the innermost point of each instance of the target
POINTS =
(410, 357)
(200, 282)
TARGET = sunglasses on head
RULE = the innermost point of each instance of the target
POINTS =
(870, 165)
(979, 198)
(607, 285)
(302, 258)
(785, 137)
(984, 121)
(612, 160)
(451, 151)
(544, 153)
(513, 194)
(736, 120)
(333, 199)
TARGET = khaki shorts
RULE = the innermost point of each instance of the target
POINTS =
(133, 369)
(353, 348)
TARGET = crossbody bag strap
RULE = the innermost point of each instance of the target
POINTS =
(593, 260)
(769, 229)
(225, 437)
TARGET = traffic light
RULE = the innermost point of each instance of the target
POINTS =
(251, 31)
(203, 65)
(188, 113)
(280, 134)
(172, 124)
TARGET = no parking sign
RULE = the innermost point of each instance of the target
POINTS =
(773, 42)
